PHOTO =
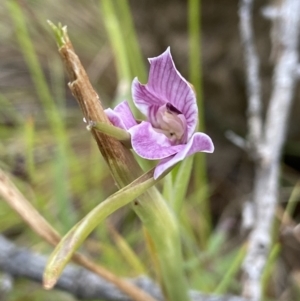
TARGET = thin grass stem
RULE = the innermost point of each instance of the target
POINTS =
(195, 77)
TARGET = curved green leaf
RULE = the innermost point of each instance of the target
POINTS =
(75, 237)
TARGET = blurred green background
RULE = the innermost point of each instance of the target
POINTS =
(54, 161)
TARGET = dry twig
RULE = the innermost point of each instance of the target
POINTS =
(20, 262)
(253, 81)
(269, 140)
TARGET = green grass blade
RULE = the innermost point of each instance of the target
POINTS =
(29, 136)
(35, 69)
(64, 153)
(135, 57)
(195, 74)
(270, 265)
(216, 241)
(8, 109)
(58, 84)
(181, 183)
(117, 42)
(65, 212)
(292, 202)
(195, 77)
(168, 187)
(231, 272)
(127, 253)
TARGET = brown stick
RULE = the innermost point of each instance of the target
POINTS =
(118, 158)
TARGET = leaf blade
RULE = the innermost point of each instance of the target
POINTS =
(74, 238)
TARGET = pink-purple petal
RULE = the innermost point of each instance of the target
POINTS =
(165, 84)
(143, 98)
(151, 145)
(199, 142)
(121, 116)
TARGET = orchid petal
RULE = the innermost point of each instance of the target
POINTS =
(150, 144)
(121, 116)
(166, 85)
(199, 142)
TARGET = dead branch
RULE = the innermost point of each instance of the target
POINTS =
(254, 113)
(81, 283)
(285, 37)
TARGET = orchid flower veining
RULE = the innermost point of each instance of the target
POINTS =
(169, 103)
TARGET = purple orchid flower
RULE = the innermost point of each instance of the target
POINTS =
(169, 102)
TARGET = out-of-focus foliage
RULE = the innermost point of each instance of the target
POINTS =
(56, 164)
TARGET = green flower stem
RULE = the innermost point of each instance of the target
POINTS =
(150, 207)
(162, 226)
(110, 130)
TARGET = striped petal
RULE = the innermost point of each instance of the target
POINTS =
(166, 85)
(121, 116)
(151, 145)
(199, 142)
